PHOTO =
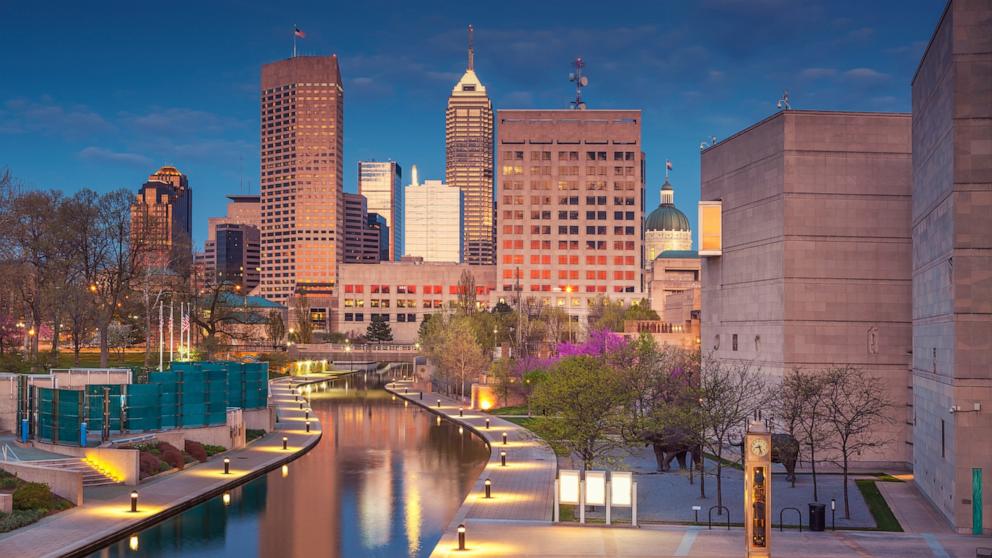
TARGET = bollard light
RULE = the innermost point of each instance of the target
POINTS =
(307, 414)
(308, 426)
(227, 465)
(226, 498)
(504, 438)
(421, 396)
(489, 488)
(461, 536)
(461, 412)
(133, 543)
(502, 459)
(438, 403)
(301, 405)
(134, 501)
(487, 424)
(285, 471)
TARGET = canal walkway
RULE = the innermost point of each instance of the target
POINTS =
(523, 490)
(105, 514)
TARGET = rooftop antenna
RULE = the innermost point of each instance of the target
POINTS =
(707, 143)
(580, 82)
(783, 103)
(471, 47)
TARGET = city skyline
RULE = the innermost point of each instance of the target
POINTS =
(106, 132)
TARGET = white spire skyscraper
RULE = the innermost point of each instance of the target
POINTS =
(469, 153)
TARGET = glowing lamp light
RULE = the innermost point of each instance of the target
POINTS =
(461, 536)
(487, 424)
(227, 465)
(285, 441)
(502, 459)
(134, 501)
(489, 489)
(486, 404)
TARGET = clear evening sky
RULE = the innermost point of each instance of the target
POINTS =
(100, 94)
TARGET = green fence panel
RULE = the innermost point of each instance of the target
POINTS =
(144, 410)
(45, 408)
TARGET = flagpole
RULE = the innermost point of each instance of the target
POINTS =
(294, 41)
(161, 334)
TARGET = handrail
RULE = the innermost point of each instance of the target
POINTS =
(7, 452)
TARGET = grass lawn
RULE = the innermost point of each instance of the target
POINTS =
(87, 359)
(518, 410)
(884, 518)
(526, 422)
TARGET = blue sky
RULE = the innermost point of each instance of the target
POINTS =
(100, 94)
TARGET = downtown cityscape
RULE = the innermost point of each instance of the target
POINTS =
(701, 279)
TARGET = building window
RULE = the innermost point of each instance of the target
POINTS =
(733, 341)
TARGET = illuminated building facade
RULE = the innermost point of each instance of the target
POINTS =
(161, 219)
(381, 182)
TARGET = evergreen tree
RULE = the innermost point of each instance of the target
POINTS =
(379, 331)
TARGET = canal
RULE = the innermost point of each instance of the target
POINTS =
(384, 480)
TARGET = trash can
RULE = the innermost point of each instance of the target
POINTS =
(817, 517)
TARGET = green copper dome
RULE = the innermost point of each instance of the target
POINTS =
(667, 217)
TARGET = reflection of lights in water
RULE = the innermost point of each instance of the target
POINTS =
(133, 543)
(439, 421)
(285, 471)
(412, 512)
(227, 498)
(461, 430)
(375, 504)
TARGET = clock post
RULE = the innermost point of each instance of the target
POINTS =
(758, 490)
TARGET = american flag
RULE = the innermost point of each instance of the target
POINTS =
(299, 33)
(668, 165)
(185, 323)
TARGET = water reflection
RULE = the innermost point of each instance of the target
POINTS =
(383, 481)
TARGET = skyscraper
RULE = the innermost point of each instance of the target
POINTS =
(232, 250)
(162, 217)
(302, 116)
(469, 152)
(361, 240)
(572, 188)
(433, 220)
(381, 182)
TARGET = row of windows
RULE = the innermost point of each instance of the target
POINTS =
(409, 289)
(379, 317)
(569, 155)
(570, 185)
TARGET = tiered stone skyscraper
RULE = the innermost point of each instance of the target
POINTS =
(469, 153)
(302, 116)
(162, 219)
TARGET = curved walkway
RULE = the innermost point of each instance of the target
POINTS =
(522, 491)
(106, 515)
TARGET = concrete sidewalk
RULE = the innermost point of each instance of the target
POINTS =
(506, 539)
(106, 513)
(523, 489)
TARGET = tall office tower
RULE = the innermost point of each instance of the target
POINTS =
(433, 221)
(571, 214)
(381, 182)
(162, 217)
(378, 222)
(468, 135)
(952, 267)
(233, 246)
(361, 241)
(302, 114)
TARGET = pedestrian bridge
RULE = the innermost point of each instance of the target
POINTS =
(343, 353)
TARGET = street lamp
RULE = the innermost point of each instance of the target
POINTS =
(134, 501)
(227, 465)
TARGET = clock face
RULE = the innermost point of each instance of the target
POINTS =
(759, 447)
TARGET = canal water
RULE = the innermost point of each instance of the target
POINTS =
(384, 480)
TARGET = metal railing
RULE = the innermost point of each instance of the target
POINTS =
(7, 454)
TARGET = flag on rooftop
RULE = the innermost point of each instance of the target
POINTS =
(299, 33)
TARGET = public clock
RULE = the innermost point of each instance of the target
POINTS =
(759, 447)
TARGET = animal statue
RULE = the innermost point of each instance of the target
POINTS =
(673, 444)
(785, 450)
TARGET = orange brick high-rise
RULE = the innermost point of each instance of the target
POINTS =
(571, 187)
(302, 139)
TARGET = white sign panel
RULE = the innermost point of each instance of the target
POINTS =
(568, 487)
(596, 488)
(621, 487)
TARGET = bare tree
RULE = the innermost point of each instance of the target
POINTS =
(730, 393)
(304, 324)
(801, 406)
(466, 292)
(275, 328)
(855, 408)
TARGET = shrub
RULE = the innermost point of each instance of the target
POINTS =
(254, 434)
(33, 496)
(213, 450)
(197, 450)
(19, 518)
(149, 464)
(173, 457)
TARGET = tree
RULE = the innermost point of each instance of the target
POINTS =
(275, 328)
(459, 353)
(801, 407)
(79, 314)
(582, 396)
(379, 331)
(606, 314)
(120, 336)
(640, 311)
(466, 292)
(501, 373)
(730, 393)
(855, 407)
(304, 324)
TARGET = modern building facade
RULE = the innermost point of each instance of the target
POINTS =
(571, 206)
(402, 293)
(302, 142)
(666, 228)
(434, 221)
(816, 252)
(952, 267)
(468, 140)
(381, 182)
(378, 222)
(361, 241)
(232, 251)
(162, 219)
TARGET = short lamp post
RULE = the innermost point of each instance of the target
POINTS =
(227, 465)
(461, 411)
(285, 441)
(833, 514)
(489, 489)
(502, 459)
(308, 426)
(487, 424)
(438, 403)
(134, 501)
(307, 414)
(504, 438)
(461, 536)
